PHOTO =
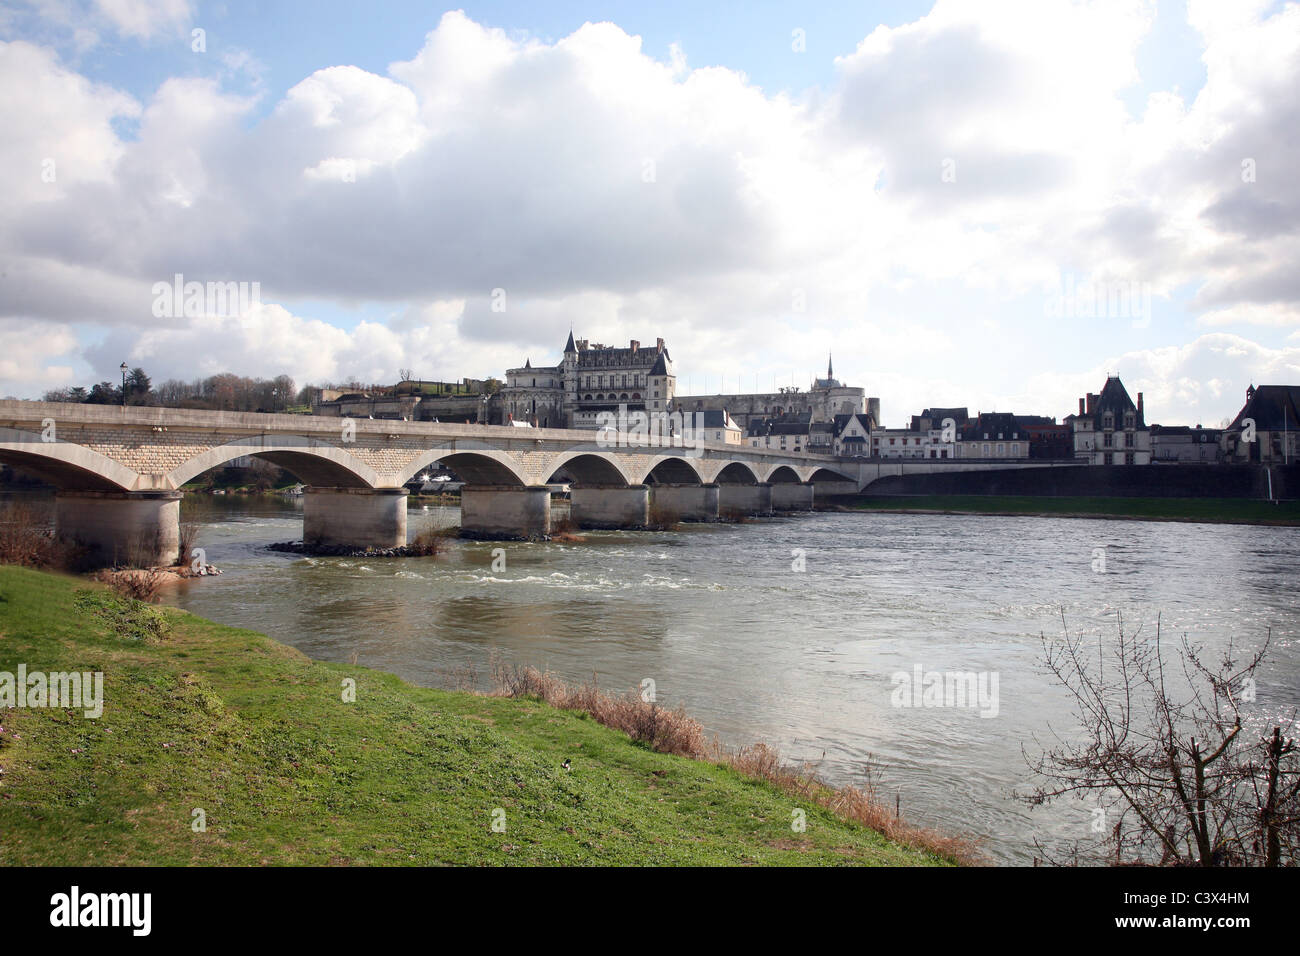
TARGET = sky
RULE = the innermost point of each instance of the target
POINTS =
(988, 204)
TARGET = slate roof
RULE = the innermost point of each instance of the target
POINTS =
(797, 423)
(716, 418)
(1274, 408)
(841, 422)
(994, 424)
(1114, 399)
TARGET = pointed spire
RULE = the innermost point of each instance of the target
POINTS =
(569, 346)
(830, 368)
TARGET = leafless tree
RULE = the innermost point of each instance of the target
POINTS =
(1179, 769)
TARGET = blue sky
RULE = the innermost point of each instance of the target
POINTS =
(927, 194)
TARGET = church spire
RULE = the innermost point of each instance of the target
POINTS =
(569, 346)
(830, 369)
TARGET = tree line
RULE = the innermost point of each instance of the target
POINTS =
(224, 392)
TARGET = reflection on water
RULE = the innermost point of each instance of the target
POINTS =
(716, 616)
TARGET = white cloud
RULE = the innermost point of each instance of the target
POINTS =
(146, 19)
(629, 197)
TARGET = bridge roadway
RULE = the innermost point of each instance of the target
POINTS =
(119, 472)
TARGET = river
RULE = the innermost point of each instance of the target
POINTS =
(723, 623)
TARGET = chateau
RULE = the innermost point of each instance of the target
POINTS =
(591, 378)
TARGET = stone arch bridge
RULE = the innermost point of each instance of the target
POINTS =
(119, 473)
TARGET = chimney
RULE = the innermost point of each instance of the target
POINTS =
(1081, 411)
(635, 345)
(659, 345)
(1092, 402)
(1139, 404)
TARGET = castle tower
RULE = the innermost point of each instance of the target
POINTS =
(662, 382)
(569, 369)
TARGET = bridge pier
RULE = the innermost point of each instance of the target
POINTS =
(505, 512)
(686, 502)
(745, 499)
(789, 496)
(610, 506)
(354, 517)
(141, 529)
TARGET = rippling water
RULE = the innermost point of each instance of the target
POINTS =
(718, 619)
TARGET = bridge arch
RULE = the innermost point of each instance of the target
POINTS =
(737, 473)
(783, 474)
(66, 466)
(671, 470)
(589, 468)
(312, 461)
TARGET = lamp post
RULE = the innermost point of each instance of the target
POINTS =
(123, 367)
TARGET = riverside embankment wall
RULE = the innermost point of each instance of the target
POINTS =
(1116, 481)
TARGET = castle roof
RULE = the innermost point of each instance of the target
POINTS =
(1273, 407)
(1114, 399)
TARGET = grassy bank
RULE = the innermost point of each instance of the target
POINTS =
(201, 716)
(1215, 510)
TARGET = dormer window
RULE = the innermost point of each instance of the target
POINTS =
(1108, 420)
(1130, 420)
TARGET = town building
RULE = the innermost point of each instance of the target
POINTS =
(907, 443)
(853, 435)
(1183, 443)
(789, 432)
(1047, 438)
(1110, 429)
(992, 435)
(717, 426)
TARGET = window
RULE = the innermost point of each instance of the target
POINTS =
(1002, 450)
(986, 448)
(1108, 420)
(1108, 459)
(1128, 458)
(1108, 440)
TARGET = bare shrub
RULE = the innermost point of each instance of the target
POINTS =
(565, 529)
(28, 538)
(663, 518)
(137, 584)
(430, 541)
(189, 539)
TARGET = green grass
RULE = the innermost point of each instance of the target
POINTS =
(1219, 510)
(198, 715)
